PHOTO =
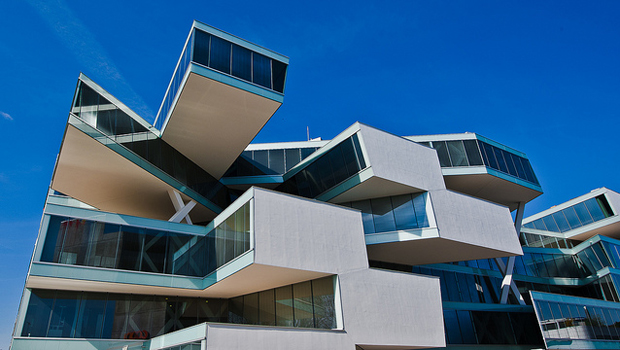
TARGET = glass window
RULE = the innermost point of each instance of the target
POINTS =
(267, 307)
(241, 62)
(251, 308)
(473, 154)
(442, 153)
(594, 209)
(292, 157)
(571, 217)
(302, 293)
(284, 306)
(323, 301)
(64, 314)
(583, 213)
(403, 212)
(383, 216)
(499, 156)
(38, 313)
(220, 55)
(457, 153)
(279, 75)
(560, 219)
(550, 223)
(201, 47)
(261, 70)
(91, 315)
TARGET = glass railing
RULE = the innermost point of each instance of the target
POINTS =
(99, 244)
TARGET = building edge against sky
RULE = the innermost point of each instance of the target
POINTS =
(183, 235)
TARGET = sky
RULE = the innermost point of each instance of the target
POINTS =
(540, 77)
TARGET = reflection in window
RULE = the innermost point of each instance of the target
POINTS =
(63, 314)
(580, 214)
(98, 244)
(393, 213)
(332, 168)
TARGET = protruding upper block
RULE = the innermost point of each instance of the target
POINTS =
(483, 168)
(223, 91)
(594, 213)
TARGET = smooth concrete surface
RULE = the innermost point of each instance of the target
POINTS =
(306, 234)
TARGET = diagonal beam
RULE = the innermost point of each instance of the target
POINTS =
(181, 208)
(508, 283)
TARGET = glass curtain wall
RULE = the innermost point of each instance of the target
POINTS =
(393, 213)
(64, 314)
(229, 58)
(580, 214)
(98, 244)
(461, 153)
(268, 162)
(332, 168)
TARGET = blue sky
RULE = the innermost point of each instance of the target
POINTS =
(541, 77)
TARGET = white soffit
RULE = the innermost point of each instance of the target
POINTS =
(212, 122)
(94, 174)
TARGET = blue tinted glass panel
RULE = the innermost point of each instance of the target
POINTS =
(488, 149)
(201, 47)
(403, 212)
(261, 70)
(500, 159)
(583, 213)
(561, 221)
(383, 215)
(571, 217)
(594, 209)
(242, 63)
(220, 55)
(419, 205)
(550, 223)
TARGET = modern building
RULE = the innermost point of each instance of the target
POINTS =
(184, 235)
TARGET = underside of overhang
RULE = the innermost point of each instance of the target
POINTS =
(94, 174)
(492, 188)
(374, 187)
(432, 250)
(213, 122)
(253, 278)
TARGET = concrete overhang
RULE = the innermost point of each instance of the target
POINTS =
(431, 251)
(499, 188)
(213, 121)
(90, 172)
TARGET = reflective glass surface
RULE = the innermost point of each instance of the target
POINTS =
(63, 314)
(98, 244)
(332, 168)
(268, 162)
(392, 213)
(580, 319)
(580, 214)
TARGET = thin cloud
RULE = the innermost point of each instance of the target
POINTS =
(6, 116)
(88, 52)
